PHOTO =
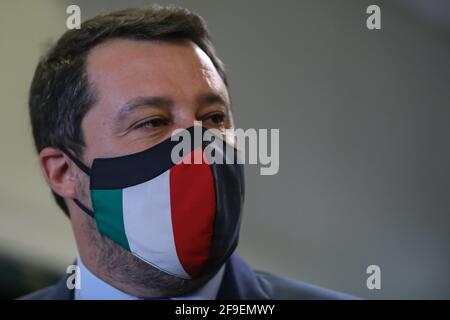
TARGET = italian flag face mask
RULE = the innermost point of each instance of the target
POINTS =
(181, 218)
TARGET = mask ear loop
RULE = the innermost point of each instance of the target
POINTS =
(86, 170)
(79, 164)
(84, 208)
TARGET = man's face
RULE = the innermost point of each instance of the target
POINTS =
(144, 90)
(147, 89)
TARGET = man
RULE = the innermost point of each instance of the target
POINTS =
(115, 89)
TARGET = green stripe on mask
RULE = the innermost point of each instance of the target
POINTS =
(108, 211)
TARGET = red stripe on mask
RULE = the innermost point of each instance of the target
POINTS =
(193, 207)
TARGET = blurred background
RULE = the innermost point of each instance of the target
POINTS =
(364, 141)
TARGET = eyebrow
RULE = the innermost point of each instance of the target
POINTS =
(130, 106)
(142, 102)
(211, 98)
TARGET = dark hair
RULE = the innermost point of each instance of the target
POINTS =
(60, 94)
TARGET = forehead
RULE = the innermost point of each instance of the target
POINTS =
(122, 69)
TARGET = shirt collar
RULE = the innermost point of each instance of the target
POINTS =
(94, 288)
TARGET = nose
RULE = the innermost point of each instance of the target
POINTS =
(184, 115)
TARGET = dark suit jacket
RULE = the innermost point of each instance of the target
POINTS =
(239, 282)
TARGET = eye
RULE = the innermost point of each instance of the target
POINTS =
(152, 123)
(217, 118)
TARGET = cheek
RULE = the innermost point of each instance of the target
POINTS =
(96, 128)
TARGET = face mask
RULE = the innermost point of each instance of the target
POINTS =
(183, 219)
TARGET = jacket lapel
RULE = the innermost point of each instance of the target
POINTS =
(60, 291)
(240, 282)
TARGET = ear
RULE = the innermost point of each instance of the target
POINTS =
(58, 171)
